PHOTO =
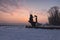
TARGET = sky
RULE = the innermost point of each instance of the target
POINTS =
(18, 11)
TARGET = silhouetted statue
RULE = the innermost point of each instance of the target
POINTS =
(36, 18)
(31, 20)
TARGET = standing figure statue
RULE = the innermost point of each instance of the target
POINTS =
(36, 18)
(31, 18)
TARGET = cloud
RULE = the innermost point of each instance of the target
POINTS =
(7, 6)
(9, 2)
(18, 11)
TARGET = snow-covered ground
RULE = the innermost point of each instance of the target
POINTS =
(21, 33)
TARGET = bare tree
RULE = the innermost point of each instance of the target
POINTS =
(54, 18)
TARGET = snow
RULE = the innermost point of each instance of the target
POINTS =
(22, 33)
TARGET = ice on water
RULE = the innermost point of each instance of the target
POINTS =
(22, 33)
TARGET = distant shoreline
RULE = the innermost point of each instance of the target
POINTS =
(11, 25)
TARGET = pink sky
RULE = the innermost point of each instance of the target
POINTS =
(18, 11)
(21, 15)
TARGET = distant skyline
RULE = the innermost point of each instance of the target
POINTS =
(18, 11)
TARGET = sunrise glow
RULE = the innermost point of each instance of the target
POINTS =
(18, 11)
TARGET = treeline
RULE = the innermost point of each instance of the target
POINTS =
(54, 16)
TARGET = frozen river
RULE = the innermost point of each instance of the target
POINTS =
(21, 33)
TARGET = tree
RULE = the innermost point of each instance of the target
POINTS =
(54, 17)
